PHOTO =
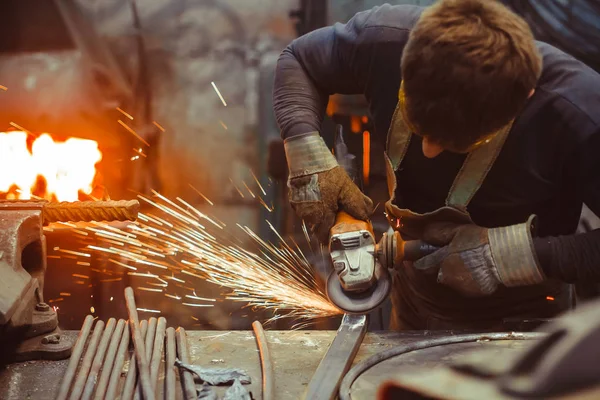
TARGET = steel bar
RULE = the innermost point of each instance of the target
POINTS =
(130, 379)
(87, 361)
(108, 364)
(170, 370)
(92, 378)
(63, 391)
(115, 374)
(268, 377)
(189, 387)
(138, 344)
(148, 346)
(119, 210)
(157, 352)
(338, 359)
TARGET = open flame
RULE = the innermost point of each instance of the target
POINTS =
(66, 168)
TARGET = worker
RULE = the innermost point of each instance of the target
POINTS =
(493, 144)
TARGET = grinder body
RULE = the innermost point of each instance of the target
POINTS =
(360, 281)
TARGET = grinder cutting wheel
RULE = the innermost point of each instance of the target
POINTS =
(360, 281)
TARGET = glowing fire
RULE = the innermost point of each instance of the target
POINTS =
(66, 167)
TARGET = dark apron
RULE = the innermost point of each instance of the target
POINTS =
(419, 301)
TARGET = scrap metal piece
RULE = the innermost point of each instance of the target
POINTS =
(216, 376)
(138, 344)
(109, 360)
(115, 375)
(65, 385)
(237, 391)
(86, 364)
(338, 359)
(187, 379)
(268, 377)
(170, 357)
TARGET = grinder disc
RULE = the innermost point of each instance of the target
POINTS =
(360, 302)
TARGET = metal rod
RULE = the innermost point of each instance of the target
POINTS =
(138, 344)
(170, 369)
(88, 390)
(148, 346)
(268, 377)
(63, 391)
(189, 387)
(111, 210)
(115, 374)
(157, 352)
(108, 364)
(338, 359)
(87, 361)
(130, 379)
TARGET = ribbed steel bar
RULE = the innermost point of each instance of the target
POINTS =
(109, 361)
(63, 391)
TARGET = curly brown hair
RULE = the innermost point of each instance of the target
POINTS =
(467, 69)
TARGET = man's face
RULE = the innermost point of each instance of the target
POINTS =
(431, 149)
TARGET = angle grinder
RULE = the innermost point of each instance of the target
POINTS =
(360, 281)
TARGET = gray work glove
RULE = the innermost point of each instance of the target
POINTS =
(319, 187)
(476, 260)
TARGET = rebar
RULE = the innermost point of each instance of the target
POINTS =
(107, 366)
(268, 377)
(87, 361)
(75, 356)
(115, 375)
(157, 352)
(189, 387)
(138, 344)
(88, 390)
(170, 356)
(148, 346)
(130, 379)
(85, 211)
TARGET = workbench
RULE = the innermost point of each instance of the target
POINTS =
(295, 354)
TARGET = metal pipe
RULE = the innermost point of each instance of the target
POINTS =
(130, 379)
(87, 361)
(189, 387)
(148, 342)
(268, 377)
(157, 352)
(108, 364)
(171, 355)
(115, 374)
(88, 390)
(63, 391)
(138, 344)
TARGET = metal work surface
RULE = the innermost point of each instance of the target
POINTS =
(295, 354)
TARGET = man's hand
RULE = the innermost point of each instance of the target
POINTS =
(319, 187)
(476, 260)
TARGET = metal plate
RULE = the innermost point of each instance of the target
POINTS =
(365, 387)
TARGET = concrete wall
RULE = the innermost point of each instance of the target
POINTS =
(192, 43)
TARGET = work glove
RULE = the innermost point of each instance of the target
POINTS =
(319, 187)
(475, 260)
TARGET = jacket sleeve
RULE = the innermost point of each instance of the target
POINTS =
(574, 258)
(329, 60)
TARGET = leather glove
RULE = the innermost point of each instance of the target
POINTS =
(476, 260)
(319, 187)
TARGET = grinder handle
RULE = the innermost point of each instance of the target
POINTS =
(345, 222)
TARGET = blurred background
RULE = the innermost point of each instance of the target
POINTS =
(176, 96)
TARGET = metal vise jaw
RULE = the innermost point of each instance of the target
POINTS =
(28, 326)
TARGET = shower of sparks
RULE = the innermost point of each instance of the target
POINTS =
(223, 124)
(175, 243)
(218, 93)
(134, 133)
(124, 113)
(3, 88)
(159, 126)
